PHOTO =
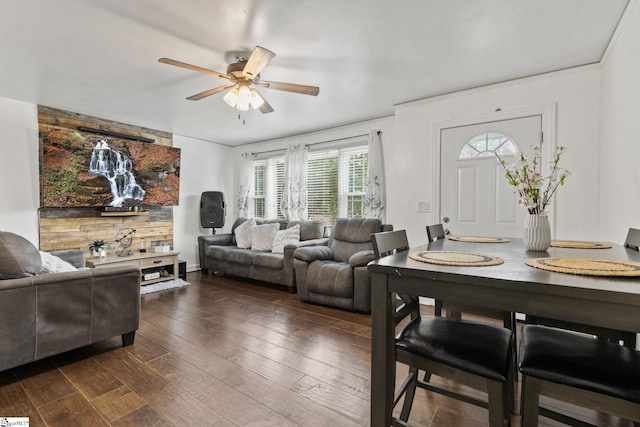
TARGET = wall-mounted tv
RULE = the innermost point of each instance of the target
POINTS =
(85, 169)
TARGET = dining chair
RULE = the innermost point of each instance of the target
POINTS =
(633, 239)
(436, 232)
(577, 369)
(475, 354)
(628, 339)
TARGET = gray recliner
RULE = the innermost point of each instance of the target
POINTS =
(336, 274)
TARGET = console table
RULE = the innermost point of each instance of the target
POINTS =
(149, 263)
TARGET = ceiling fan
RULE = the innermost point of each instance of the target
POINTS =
(244, 76)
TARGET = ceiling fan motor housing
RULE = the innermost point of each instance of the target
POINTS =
(236, 68)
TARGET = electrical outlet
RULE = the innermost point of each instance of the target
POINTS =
(424, 207)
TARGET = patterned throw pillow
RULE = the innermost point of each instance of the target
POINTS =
(243, 233)
(285, 237)
(262, 236)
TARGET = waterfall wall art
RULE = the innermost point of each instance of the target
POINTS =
(83, 169)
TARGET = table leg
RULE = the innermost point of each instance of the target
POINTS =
(383, 365)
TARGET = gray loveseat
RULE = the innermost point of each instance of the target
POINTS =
(219, 253)
(44, 314)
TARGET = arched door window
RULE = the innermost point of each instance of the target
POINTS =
(487, 144)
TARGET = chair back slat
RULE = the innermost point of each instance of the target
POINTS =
(435, 232)
(633, 239)
(389, 242)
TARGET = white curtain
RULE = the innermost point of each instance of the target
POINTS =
(294, 192)
(375, 201)
(244, 191)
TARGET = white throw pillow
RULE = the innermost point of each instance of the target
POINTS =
(243, 233)
(262, 236)
(54, 264)
(285, 237)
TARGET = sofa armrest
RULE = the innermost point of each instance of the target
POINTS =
(313, 253)
(75, 257)
(225, 239)
(361, 259)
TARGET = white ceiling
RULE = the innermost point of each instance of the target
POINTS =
(100, 57)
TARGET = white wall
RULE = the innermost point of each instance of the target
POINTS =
(204, 166)
(576, 96)
(620, 135)
(19, 174)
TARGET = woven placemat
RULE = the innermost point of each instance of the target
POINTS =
(587, 267)
(575, 244)
(455, 258)
(476, 239)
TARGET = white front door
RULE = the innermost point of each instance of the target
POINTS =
(475, 198)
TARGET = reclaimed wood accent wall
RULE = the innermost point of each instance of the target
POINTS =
(73, 228)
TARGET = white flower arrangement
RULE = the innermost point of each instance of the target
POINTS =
(535, 190)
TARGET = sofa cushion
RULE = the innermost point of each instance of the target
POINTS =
(240, 256)
(217, 252)
(18, 257)
(243, 233)
(309, 230)
(269, 260)
(53, 264)
(285, 237)
(262, 236)
(327, 277)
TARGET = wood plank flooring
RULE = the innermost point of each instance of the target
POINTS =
(224, 352)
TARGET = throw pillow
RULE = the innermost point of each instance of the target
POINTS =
(262, 236)
(243, 233)
(285, 237)
(18, 257)
(54, 264)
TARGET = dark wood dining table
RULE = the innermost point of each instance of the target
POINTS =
(612, 302)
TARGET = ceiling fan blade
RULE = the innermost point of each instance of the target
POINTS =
(291, 87)
(265, 108)
(209, 92)
(258, 59)
(194, 68)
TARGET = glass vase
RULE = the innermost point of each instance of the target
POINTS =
(537, 232)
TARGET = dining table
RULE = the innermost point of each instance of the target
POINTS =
(608, 301)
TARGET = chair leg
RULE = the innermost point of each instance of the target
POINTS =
(530, 401)
(409, 394)
(498, 409)
(437, 308)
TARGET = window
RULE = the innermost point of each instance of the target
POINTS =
(268, 175)
(336, 184)
(487, 144)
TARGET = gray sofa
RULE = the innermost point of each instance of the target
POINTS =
(44, 314)
(336, 274)
(219, 253)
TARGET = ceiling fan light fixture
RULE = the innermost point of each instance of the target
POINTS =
(231, 97)
(256, 99)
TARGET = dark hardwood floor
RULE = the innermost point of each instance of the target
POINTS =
(224, 352)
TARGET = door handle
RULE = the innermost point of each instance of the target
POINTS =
(445, 219)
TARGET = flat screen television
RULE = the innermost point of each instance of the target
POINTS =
(85, 169)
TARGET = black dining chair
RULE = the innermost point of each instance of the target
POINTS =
(578, 369)
(436, 232)
(628, 339)
(633, 239)
(475, 354)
